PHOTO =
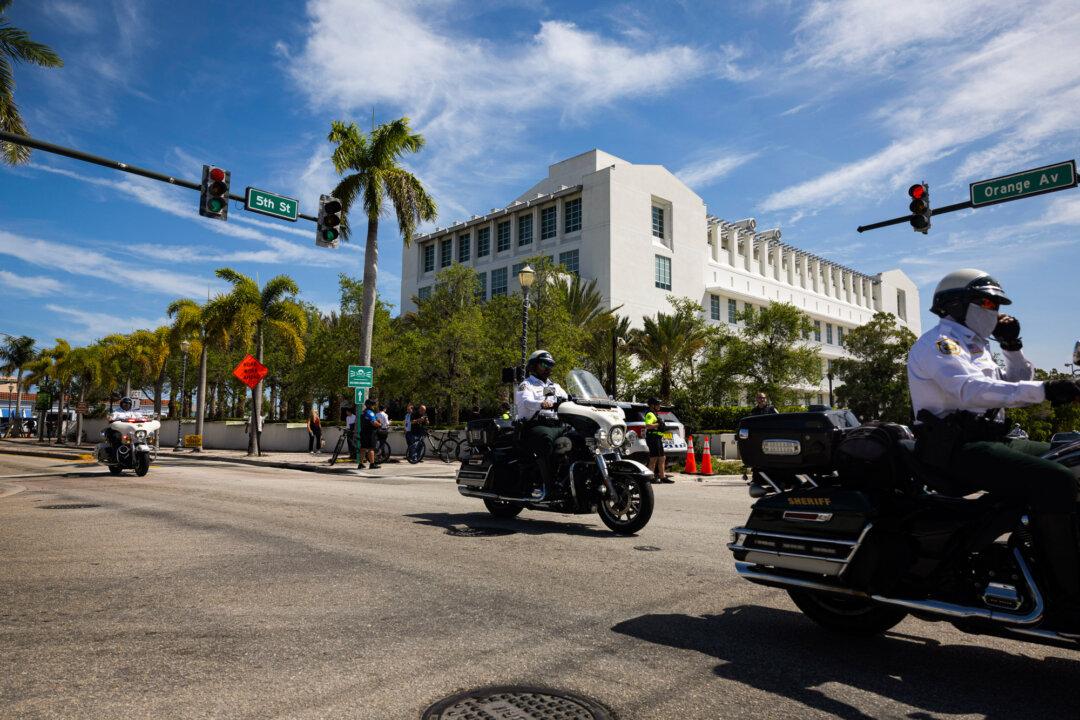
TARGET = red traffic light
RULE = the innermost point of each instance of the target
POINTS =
(217, 174)
(916, 191)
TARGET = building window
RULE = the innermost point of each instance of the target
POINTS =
(828, 333)
(663, 272)
(429, 257)
(569, 260)
(658, 222)
(572, 215)
(901, 305)
(517, 269)
(732, 311)
(464, 247)
(714, 307)
(424, 293)
(502, 236)
(483, 242)
(817, 331)
(840, 335)
(498, 281)
(481, 286)
(524, 230)
(446, 253)
(548, 221)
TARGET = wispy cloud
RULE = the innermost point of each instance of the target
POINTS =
(33, 285)
(93, 325)
(714, 166)
(977, 90)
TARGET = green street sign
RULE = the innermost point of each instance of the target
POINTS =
(1024, 184)
(361, 376)
(358, 395)
(267, 203)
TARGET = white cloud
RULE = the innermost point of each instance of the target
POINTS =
(716, 165)
(33, 285)
(1063, 210)
(75, 17)
(994, 80)
(95, 325)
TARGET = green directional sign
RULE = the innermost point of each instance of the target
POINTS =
(358, 395)
(267, 203)
(361, 376)
(1024, 184)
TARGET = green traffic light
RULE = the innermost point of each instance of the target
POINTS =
(329, 234)
(215, 204)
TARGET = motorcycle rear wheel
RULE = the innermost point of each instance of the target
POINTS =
(634, 509)
(846, 615)
(115, 469)
(142, 465)
(501, 509)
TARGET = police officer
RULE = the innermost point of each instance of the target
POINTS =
(958, 392)
(124, 413)
(535, 402)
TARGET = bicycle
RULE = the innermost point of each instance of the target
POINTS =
(443, 447)
(382, 448)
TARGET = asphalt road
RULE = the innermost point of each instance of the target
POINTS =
(211, 591)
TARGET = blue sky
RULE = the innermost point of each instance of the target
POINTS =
(810, 116)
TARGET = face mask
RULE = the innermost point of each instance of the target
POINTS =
(981, 320)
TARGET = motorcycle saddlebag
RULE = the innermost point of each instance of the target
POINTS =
(816, 530)
(794, 442)
(485, 434)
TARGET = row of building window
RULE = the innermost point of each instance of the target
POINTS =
(571, 260)
(548, 230)
(733, 310)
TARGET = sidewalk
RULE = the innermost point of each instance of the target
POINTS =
(396, 466)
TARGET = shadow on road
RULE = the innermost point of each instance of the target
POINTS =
(524, 525)
(783, 653)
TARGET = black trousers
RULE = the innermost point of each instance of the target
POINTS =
(540, 440)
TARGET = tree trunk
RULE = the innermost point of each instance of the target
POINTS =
(271, 413)
(159, 390)
(61, 416)
(283, 411)
(256, 401)
(78, 415)
(200, 407)
(18, 403)
(371, 271)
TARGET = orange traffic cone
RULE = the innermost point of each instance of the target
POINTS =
(706, 458)
(691, 461)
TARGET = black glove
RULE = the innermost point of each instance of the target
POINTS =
(1061, 391)
(1007, 332)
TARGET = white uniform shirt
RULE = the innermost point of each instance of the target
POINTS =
(530, 396)
(951, 368)
(384, 419)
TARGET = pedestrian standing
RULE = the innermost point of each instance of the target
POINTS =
(654, 440)
(762, 406)
(408, 425)
(350, 431)
(369, 422)
(314, 430)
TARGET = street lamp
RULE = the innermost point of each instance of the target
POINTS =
(829, 375)
(526, 277)
(185, 345)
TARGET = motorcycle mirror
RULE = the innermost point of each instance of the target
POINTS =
(1076, 353)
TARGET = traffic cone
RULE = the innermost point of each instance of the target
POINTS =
(691, 462)
(706, 458)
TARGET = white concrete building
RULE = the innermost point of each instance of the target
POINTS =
(644, 235)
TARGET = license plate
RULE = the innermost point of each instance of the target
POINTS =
(781, 447)
(665, 436)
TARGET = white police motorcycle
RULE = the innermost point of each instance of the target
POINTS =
(129, 444)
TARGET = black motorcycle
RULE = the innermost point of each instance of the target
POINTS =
(588, 474)
(861, 534)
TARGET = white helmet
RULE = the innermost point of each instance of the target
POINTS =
(961, 287)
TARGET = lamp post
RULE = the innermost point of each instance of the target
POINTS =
(829, 375)
(184, 347)
(526, 277)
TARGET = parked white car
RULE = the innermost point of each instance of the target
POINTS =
(635, 447)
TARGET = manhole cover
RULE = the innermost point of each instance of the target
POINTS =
(646, 548)
(516, 703)
(478, 531)
(68, 506)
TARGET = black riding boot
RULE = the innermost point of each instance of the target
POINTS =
(1057, 539)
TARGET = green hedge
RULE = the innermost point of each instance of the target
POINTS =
(726, 417)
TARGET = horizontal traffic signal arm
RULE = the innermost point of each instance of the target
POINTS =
(907, 218)
(112, 164)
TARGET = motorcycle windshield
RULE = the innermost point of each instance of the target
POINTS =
(583, 385)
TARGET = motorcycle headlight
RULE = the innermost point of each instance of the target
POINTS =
(631, 436)
(140, 434)
(601, 438)
(618, 435)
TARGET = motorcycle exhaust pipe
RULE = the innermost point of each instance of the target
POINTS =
(754, 574)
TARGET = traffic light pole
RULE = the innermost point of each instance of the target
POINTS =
(907, 218)
(113, 164)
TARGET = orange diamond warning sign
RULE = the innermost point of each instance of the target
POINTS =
(250, 371)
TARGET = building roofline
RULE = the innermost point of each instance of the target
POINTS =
(499, 212)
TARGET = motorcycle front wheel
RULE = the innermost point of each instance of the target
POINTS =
(501, 509)
(845, 614)
(115, 469)
(635, 506)
(142, 464)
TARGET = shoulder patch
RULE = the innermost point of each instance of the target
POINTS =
(948, 346)
(523, 385)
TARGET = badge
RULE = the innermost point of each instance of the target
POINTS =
(948, 346)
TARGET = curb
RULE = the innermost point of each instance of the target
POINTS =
(58, 455)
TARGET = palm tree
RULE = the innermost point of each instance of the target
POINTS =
(583, 301)
(377, 177)
(15, 354)
(204, 325)
(86, 366)
(253, 313)
(16, 46)
(666, 343)
(55, 363)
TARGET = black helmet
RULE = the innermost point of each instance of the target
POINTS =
(540, 356)
(125, 403)
(960, 288)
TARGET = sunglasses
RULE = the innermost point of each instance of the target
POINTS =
(988, 304)
(545, 363)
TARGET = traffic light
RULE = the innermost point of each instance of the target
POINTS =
(328, 231)
(920, 207)
(214, 195)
